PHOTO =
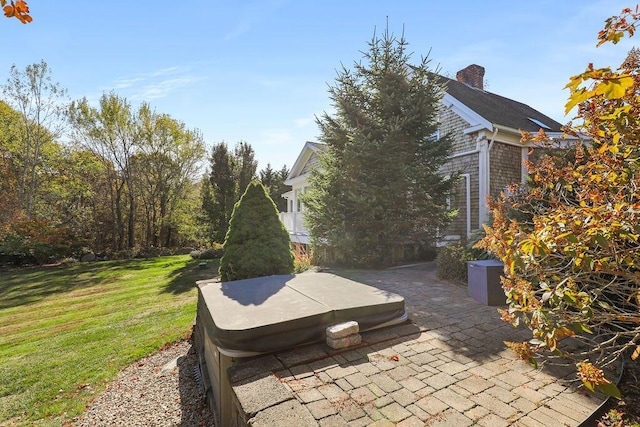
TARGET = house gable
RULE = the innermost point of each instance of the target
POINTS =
(498, 110)
(307, 159)
(488, 152)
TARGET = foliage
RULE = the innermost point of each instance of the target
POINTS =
(57, 187)
(572, 255)
(38, 102)
(164, 166)
(257, 243)
(245, 166)
(474, 252)
(223, 191)
(148, 164)
(37, 240)
(301, 260)
(230, 173)
(9, 162)
(205, 213)
(274, 180)
(63, 340)
(16, 9)
(378, 184)
(108, 131)
(124, 182)
(452, 263)
(214, 252)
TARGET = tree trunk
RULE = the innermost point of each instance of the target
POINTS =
(131, 224)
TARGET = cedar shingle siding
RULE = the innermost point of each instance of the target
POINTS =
(454, 125)
(465, 164)
(506, 167)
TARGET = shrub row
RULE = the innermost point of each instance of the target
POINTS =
(214, 252)
(452, 259)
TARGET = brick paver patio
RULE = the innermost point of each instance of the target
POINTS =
(449, 367)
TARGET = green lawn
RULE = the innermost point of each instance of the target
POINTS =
(66, 331)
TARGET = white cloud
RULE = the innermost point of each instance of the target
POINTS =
(162, 88)
(125, 83)
(155, 84)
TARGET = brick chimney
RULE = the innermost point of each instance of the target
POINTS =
(473, 75)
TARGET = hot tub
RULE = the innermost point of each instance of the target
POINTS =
(245, 318)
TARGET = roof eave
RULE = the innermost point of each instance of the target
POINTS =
(298, 165)
(475, 120)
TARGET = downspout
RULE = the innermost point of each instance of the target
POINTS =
(493, 139)
(523, 171)
(467, 180)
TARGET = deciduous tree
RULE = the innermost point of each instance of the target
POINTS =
(9, 162)
(572, 248)
(40, 103)
(16, 9)
(109, 131)
(165, 166)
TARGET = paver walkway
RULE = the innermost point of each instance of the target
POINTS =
(450, 367)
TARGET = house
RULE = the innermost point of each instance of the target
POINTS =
(487, 152)
(298, 179)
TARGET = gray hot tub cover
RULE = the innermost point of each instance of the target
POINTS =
(273, 313)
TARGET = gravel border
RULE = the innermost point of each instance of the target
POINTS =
(159, 390)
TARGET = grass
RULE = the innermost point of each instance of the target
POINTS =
(65, 332)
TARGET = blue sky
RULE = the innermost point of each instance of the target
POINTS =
(258, 70)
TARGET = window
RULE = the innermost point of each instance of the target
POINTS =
(539, 123)
(434, 136)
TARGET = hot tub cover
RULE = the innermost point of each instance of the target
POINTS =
(273, 313)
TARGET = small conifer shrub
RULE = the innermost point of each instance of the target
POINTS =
(256, 244)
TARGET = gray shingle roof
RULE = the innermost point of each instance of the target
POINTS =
(498, 109)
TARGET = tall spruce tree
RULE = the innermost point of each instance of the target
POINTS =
(223, 184)
(378, 184)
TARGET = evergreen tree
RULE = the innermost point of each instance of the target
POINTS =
(231, 172)
(257, 243)
(274, 182)
(378, 184)
(245, 165)
(208, 210)
(281, 188)
(224, 189)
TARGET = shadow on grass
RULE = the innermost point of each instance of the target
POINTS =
(29, 285)
(184, 279)
(32, 284)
